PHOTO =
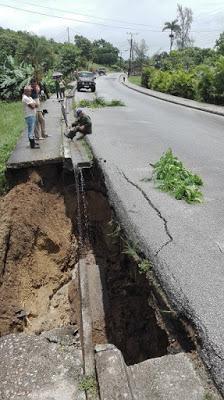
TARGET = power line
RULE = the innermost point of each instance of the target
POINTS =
(94, 23)
(84, 15)
(71, 19)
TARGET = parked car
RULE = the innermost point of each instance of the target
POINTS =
(102, 71)
(86, 80)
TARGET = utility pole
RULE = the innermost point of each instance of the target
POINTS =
(68, 32)
(131, 54)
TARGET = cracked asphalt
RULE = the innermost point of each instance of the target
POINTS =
(186, 242)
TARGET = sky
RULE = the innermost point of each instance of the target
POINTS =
(113, 20)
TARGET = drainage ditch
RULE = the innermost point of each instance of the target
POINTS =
(50, 220)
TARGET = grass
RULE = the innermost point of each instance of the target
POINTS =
(98, 102)
(135, 79)
(89, 385)
(11, 126)
(171, 176)
(132, 251)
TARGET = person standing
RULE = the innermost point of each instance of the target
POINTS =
(62, 88)
(39, 130)
(29, 106)
(57, 88)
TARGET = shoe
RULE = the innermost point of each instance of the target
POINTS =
(33, 144)
(41, 138)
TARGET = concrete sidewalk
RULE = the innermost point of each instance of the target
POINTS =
(210, 108)
(50, 148)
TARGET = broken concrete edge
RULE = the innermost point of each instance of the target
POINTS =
(36, 163)
(174, 297)
(174, 100)
(86, 326)
(172, 376)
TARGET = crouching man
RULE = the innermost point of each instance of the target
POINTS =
(82, 124)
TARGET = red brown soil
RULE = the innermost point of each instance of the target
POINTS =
(37, 251)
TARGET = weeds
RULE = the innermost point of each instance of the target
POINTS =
(98, 102)
(144, 266)
(131, 250)
(88, 384)
(171, 176)
(208, 396)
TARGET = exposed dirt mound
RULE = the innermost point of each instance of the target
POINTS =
(37, 251)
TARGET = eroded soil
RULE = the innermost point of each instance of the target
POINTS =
(37, 254)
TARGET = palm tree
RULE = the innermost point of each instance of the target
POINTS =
(174, 28)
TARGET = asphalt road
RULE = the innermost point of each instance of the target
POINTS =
(186, 242)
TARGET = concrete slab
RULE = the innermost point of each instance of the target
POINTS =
(112, 375)
(171, 377)
(166, 378)
(38, 368)
(50, 148)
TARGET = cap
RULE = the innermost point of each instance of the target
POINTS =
(78, 111)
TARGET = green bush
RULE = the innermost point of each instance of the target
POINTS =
(182, 84)
(160, 81)
(147, 75)
(205, 83)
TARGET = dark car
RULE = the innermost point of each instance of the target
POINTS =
(102, 71)
(86, 80)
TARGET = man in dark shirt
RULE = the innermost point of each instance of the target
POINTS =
(82, 124)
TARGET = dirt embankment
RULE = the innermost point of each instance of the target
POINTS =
(37, 253)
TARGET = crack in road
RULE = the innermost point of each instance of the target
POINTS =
(165, 223)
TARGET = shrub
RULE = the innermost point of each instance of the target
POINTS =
(182, 84)
(147, 75)
(205, 83)
(160, 81)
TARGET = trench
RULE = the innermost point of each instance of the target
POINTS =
(51, 219)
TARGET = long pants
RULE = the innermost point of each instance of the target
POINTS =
(73, 131)
(39, 130)
(30, 121)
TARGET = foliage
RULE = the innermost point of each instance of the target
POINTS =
(131, 250)
(13, 77)
(104, 52)
(88, 384)
(85, 46)
(11, 126)
(181, 84)
(174, 27)
(220, 44)
(144, 266)
(37, 52)
(98, 102)
(49, 81)
(69, 59)
(171, 176)
(147, 75)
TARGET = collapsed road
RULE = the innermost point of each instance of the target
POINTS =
(71, 279)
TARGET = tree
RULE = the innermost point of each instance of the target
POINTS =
(37, 52)
(140, 52)
(174, 27)
(219, 45)
(85, 46)
(104, 52)
(69, 58)
(185, 19)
